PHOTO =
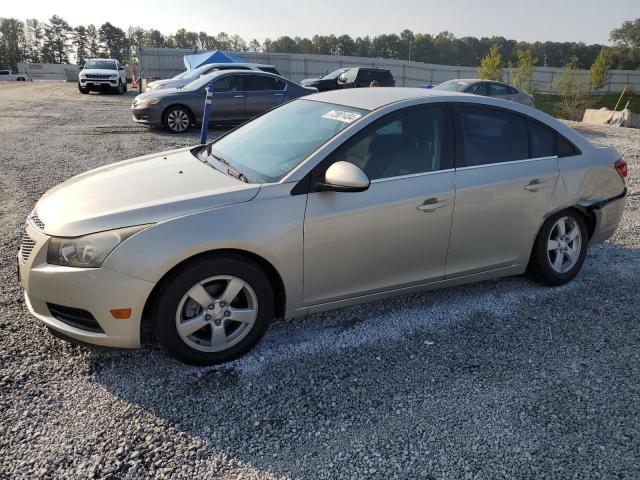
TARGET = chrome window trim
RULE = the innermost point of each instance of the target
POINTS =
(411, 175)
(510, 162)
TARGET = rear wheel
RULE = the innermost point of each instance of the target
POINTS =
(213, 310)
(177, 119)
(560, 248)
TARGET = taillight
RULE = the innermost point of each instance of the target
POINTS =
(622, 168)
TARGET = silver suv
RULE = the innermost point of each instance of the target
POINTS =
(100, 74)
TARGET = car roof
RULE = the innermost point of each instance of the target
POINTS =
(219, 73)
(373, 98)
(224, 64)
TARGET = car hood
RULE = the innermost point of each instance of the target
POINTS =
(99, 71)
(309, 81)
(142, 190)
(159, 93)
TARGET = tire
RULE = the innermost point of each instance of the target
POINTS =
(120, 88)
(83, 90)
(557, 258)
(177, 119)
(124, 87)
(198, 332)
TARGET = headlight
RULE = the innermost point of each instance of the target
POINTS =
(82, 75)
(147, 101)
(114, 75)
(89, 251)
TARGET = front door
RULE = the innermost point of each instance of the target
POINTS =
(228, 100)
(396, 233)
(503, 188)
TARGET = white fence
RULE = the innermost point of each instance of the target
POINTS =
(50, 71)
(165, 63)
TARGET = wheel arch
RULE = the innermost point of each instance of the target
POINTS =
(585, 210)
(165, 112)
(272, 273)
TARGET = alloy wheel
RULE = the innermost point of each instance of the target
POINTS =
(178, 120)
(564, 244)
(217, 313)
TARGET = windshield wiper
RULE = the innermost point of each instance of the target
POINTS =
(231, 170)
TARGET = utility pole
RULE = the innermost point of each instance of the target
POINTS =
(409, 50)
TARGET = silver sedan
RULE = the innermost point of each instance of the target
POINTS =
(335, 199)
(487, 88)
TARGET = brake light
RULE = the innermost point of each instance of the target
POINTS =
(622, 168)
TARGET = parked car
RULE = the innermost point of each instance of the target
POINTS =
(189, 76)
(330, 200)
(9, 76)
(100, 74)
(488, 88)
(238, 95)
(353, 77)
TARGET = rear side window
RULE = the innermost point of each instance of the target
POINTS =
(4, 72)
(543, 140)
(498, 89)
(259, 83)
(479, 88)
(492, 136)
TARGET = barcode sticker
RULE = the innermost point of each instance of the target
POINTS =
(347, 117)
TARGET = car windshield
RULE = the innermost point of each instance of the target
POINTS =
(270, 146)
(335, 74)
(101, 64)
(182, 75)
(199, 83)
(453, 86)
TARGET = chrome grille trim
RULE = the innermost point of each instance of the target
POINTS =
(36, 221)
(26, 246)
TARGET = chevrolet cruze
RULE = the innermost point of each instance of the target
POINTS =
(334, 199)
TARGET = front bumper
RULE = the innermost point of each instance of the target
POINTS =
(608, 215)
(95, 290)
(98, 84)
(147, 115)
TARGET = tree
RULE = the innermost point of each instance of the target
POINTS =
(491, 65)
(11, 42)
(155, 39)
(523, 77)
(81, 43)
(627, 35)
(600, 70)
(56, 45)
(114, 42)
(93, 41)
(33, 39)
(574, 93)
(254, 46)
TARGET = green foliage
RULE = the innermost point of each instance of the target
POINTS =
(115, 43)
(574, 94)
(600, 70)
(523, 77)
(491, 65)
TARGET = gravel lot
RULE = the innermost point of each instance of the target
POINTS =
(502, 379)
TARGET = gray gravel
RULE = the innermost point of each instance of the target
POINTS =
(502, 379)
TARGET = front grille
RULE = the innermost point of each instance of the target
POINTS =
(26, 246)
(75, 317)
(36, 221)
(97, 76)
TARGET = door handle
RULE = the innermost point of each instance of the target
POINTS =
(431, 205)
(534, 185)
(278, 94)
(238, 96)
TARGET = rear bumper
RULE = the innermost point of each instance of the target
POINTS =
(608, 214)
(94, 290)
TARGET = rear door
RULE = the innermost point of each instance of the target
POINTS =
(396, 233)
(503, 187)
(263, 92)
(228, 100)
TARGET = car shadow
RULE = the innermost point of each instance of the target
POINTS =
(447, 374)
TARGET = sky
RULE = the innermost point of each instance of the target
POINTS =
(589, 21)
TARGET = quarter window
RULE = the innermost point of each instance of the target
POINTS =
(496, 89)
(543, 140)
(493, 136)
(404, 143)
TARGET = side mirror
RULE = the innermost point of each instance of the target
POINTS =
(342, 78)
(344, 177)
(120, 68)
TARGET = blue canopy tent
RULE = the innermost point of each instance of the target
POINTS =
(198, 59)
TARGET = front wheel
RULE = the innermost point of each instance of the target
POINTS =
(560, 248)
(213, 310)
(177, 119)
(82, 89)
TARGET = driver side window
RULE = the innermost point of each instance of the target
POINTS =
(403, 143)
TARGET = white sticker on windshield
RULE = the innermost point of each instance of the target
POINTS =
(347, 117)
